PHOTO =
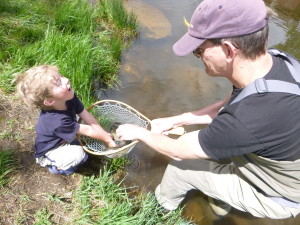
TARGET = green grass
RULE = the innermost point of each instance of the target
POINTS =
(84, 41)
(7, 166)
(75, 17)
(42, 217)
(21, 23)
(100, 200)
(115, 12)
(67, 52)
(121, 17)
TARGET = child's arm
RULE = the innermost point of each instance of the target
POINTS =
(93, 129)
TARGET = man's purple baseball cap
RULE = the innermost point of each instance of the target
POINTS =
(222, 19)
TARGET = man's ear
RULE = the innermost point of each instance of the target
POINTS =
(48, 102)
(230, 50)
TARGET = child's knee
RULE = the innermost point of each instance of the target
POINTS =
(84, 158)
(79, 155)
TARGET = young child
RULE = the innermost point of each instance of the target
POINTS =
(46, 89)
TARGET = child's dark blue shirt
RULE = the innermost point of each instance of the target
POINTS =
(55, 127)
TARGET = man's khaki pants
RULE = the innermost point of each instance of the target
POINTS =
(218, 181)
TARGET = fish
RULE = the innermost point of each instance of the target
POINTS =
(113, 132)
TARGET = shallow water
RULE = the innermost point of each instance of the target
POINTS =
(157, 83)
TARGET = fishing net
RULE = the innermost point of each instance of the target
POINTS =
(109, 113)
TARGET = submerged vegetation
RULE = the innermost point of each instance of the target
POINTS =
(85, 39)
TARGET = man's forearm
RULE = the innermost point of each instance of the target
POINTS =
(185, 147)
(202, 116)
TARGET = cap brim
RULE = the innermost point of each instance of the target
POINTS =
(186, 45)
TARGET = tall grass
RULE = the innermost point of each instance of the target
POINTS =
(100, 200)
(7, 166)
(75, 56)
(82, 40)
(86, 43)
(121, 17)
(75, 17)
(21, 23)
(115, 12)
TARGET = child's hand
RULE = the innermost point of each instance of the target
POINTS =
(111, 144)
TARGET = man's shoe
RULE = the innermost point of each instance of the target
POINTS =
(219, 208)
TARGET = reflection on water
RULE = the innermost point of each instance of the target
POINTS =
(286, 27)
(157, 83)
(288, 8)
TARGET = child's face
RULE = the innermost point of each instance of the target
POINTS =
(61, 89)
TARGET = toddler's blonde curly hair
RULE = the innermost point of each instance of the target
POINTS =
(35, 85)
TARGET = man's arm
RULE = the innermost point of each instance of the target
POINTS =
(93, 129)
(185, 147)
(202, 116)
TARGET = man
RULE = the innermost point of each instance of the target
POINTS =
(259, 134)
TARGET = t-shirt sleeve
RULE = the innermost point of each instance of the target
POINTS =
(67, 129)
(226, 136)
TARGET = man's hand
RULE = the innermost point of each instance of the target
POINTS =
(161, 126)
(129, 132)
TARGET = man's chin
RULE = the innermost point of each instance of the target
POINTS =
(212, 74)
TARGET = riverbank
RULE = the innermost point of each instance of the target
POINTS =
(86, 43)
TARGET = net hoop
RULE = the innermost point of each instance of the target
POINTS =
(116, 111)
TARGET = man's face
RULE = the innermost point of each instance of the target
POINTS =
(213, 57)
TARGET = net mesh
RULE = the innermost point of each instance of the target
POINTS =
(109, 113)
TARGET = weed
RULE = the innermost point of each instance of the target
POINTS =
(6, 134)
(55, 198)
(7, 166)
(42, 217)
(25, 197)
